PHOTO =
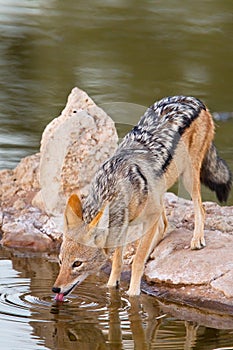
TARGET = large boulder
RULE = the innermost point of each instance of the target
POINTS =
(33, 195)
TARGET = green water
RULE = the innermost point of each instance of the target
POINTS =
(122, 53)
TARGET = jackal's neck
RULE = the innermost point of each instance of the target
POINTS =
(119, 181)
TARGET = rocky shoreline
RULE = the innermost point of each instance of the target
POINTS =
(33, 195)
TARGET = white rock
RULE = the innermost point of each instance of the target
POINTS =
(67, 151)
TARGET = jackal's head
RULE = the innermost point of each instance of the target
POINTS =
(81, 252)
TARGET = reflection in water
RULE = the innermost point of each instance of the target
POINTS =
(116, 51)
(95, 318)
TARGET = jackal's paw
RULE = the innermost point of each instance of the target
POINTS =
(113, 284)
(198, 243)
(133, 291)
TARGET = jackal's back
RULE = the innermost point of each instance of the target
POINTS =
(153, 141)
(161, 127)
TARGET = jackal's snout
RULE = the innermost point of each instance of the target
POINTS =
(56, 290)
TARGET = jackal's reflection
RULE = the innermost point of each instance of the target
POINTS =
(144, 315)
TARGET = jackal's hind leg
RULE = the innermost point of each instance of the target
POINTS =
(117, 262)
(163, 223)
(198, 240)
(191, 180)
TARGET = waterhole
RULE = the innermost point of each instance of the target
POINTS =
(116, 51)
(93, 317)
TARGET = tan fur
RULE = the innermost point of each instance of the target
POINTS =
(94, 222)
(195, 143)
(75, 204)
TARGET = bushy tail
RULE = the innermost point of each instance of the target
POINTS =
(216, 175)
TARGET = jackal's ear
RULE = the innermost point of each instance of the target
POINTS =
(101, 218)
(73, 211)
(101, 225)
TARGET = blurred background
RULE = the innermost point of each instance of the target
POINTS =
(120, 53)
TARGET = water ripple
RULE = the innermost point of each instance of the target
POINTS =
(19, 303)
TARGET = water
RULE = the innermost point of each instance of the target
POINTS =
(118, 52)
(92, 318)
(124, 54)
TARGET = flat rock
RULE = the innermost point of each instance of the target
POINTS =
(198, 276)
(224, 284)
(174, 262)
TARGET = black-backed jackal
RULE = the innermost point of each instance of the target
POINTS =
(125, 201)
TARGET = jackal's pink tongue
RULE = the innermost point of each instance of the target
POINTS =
(59, 297)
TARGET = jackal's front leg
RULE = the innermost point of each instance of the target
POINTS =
(146, 245)
(117, 263)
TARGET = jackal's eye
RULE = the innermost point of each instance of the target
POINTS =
(77, 263)
(59, 261)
